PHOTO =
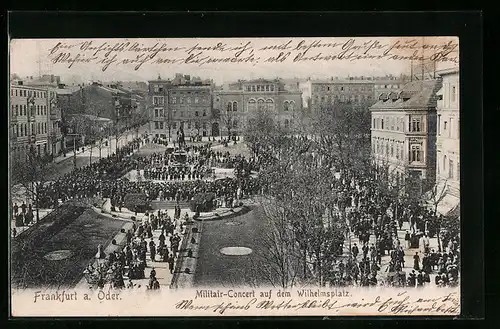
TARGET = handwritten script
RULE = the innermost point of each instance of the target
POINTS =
(137, 54)
(402, 304)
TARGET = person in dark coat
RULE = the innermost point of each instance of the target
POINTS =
(355, 250)
(23, 208)
(416, 262)
(152, 250)
(171, 262)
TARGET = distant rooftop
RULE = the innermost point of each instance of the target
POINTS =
(415, 94)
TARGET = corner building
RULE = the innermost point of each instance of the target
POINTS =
(403, 135)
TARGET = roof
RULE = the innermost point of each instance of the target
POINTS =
(91, 117)
(112, 90)
(342, 81)
(453, 70)
(415, 94)
(68, 90)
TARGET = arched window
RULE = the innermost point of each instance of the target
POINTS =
(270, 104)
(251, 104)
(235, 106)
(285, 106)
(291, 105)
(229, 106)
(260, 104)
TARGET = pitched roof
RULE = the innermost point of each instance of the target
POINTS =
(415, 94)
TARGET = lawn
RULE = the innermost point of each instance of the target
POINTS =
(72, 228)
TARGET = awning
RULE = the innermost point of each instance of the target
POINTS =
(448, 204)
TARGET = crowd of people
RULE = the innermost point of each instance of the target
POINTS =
(130, 261)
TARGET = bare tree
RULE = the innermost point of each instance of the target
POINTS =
(227, 116)
(30, 175)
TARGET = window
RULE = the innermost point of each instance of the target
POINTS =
(341, 88)
(453, 93)
(392, 149)
(248, 88)
(38, 127)
(415, 124)
(205, 125)
(291, 105)
(450, 169)
(258, 87)
(267, 87)
(451, 128)
(285, 105)
(161, 124)
(416, 153)
(229, 107)
(181, 100)
(156, 113)
(392, 123)
(253, 88)
(251, 104)
(156, 88)
(260, 104)
(397, 151)
(270, 104)
(382, 124)
(445, 125)
(157, 125)
(235, 106)
(17, 130)
(272, 87)
(196, 113)
(373, 124)
(158, 100)
(439, 124)
(174, 125)
(25, 129)
(181, 113)
(174, 100)
(204, 113)
(196, 100)
(189, 100)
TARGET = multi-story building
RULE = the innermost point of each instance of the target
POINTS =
(323, 93)
(403, 135)
(243, 97)
(448, 142)
(103, 101)
(53, 84)
(181, 102)
(30, 121)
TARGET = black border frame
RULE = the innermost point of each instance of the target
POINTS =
(466, 25)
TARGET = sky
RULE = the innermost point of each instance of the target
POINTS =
(29, 57)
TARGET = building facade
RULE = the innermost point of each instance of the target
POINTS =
(448, 141)
(233, 105)
(182, 102)
(103, 100)
(318, 94)
(30, 121)
(403, 135)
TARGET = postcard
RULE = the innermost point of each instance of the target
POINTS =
(293, 176)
